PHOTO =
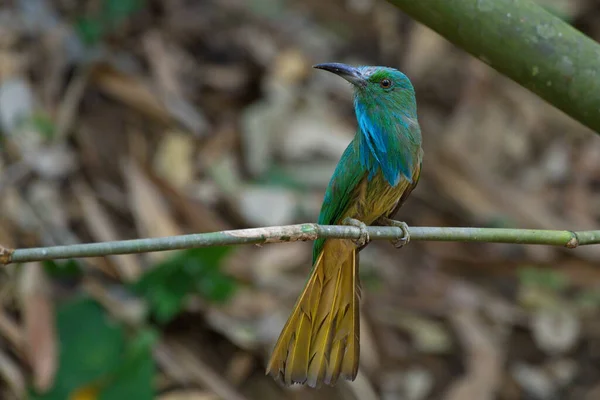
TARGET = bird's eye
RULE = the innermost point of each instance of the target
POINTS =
(385, 83)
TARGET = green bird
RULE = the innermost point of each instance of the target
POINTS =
(377, 172)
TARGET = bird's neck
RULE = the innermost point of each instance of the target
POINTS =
(388, 140)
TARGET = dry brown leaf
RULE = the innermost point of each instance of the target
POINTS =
(166, 62)
(483, 195)
(266, 267)
(153, 217)
(41, 346)
(173, 160)
(131, 91)
(185, 367)
(593, 393)
(240, 367)
(11, 374)
(362, 387)
(369, 354)
(12, 332)
(198, 217)
(556, 330)
(132, 311)
(534, 381)
(423, 50)
(190, 394)
(428, 336)
(102, 229)
(389, 37)
(262, 205)
(164, 67)
(412, 384)
(69, 106)
(6, 235)
(290, 66)
(483, 358)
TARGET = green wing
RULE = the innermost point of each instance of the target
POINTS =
(340, 192)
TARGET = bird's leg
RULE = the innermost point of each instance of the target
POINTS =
(398, 243)
(364, 234)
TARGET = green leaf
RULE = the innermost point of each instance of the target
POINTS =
(277, 176)
(216, 287)
(134, 378)
(90, 347)
(499, 221)
(68, 269)
(92, 28)
(267, 8)
(43, 124)
(97, 359)
(116, 11)
(543, 278)
(369, 279)
(588, 299)
(189, 271)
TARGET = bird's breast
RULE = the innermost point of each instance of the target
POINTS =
(375, 197)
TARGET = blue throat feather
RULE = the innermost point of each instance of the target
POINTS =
(373, 146)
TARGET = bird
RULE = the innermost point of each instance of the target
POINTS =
(375, 175)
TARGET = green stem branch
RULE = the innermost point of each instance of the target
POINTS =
(291, 233)
(525, 42)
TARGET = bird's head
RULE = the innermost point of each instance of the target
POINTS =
(386, 112)
(376, 86)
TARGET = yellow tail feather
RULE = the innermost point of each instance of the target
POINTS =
(320, 341)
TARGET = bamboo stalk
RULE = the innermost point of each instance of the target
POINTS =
(525, 42)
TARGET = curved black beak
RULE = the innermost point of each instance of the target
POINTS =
(348, 72)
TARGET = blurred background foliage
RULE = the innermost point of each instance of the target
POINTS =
(140, 118)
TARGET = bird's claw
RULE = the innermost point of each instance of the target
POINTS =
(364, 233)
(400, 242)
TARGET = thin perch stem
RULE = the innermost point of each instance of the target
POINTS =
(304, 232)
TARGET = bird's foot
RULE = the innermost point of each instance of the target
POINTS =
(364, 233)
(398, 243)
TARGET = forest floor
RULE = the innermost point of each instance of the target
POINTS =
(129, 118)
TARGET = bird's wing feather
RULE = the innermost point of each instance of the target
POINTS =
(341, 190)
(407, 192)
